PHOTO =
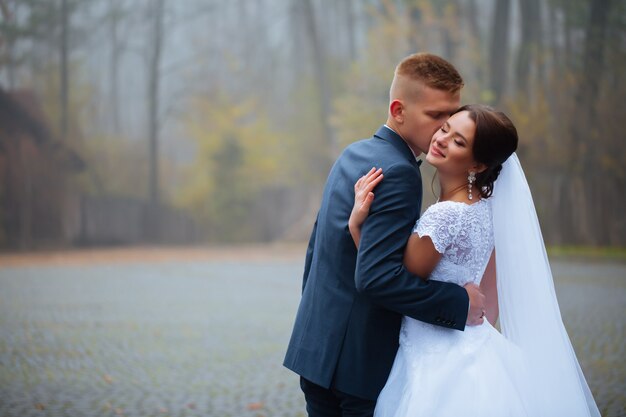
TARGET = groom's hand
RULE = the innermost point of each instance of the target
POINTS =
(476, 313)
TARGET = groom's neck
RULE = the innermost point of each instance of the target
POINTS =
(391, 125)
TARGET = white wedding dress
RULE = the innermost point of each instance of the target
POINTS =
(441, 372)
(446, 372)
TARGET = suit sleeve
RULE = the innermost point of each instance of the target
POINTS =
(380, 273)
(309, 255)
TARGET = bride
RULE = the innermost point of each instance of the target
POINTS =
(482, 231)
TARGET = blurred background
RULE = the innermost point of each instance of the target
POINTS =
(183, 146)
(199, 121)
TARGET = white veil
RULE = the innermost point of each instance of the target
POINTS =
(529, 311)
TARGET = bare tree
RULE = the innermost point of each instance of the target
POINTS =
(470, 11)
(350, 28)
(8, 41)
(64, 47)
(449, 16)
(586, 126)
(154, 78)
(530, 45)
(321, 75)
(499, 51)
(115, 15)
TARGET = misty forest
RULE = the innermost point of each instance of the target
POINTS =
(206, 121)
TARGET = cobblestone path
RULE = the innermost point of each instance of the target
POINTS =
(207, 338)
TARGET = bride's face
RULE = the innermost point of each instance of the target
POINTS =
(451, 146)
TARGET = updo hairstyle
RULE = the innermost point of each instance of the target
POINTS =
(494, 141)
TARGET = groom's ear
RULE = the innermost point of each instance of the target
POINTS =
(396, 109)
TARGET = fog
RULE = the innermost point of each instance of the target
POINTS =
(161, 121)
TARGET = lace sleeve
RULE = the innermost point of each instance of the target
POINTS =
(441, 222)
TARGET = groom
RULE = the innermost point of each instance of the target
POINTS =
(346, 332)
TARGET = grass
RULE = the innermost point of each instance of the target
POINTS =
(589, 253)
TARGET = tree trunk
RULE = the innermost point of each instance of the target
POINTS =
(470, 12)
(499, 51)
(64, 70)
(8, 43)
(154, 76)
(556, 53)
(585, 128)
(415, 14)
(25, 197)
(530, 38)
(300, 43)
(350, 29)
(593, 58)
(323, 83)
(114, 66)
(450, 18)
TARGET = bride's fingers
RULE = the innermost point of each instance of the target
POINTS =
(372, 182)
(367, 202)
(373, 172)
(371, 176)
(364, 176)
(374, 175)
(368, 173)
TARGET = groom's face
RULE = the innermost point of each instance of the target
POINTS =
(426, 114)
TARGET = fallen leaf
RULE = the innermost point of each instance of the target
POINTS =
(255, 406)
(107, 378)
(40, 406)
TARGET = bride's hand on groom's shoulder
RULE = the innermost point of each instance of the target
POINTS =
(363, 197)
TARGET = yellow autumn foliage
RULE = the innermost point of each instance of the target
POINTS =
(238, 155)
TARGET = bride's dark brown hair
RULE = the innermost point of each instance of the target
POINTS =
(495, 140)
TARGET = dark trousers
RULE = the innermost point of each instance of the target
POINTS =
(323, 402)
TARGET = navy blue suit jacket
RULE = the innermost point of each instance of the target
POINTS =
(347, 326)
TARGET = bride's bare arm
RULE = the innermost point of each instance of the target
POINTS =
(420, 256)
(488, 286)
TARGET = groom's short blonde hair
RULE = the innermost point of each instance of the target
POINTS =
(429, 70)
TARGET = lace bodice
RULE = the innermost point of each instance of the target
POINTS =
(463, 233)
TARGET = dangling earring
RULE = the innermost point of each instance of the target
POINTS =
(471, 178)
